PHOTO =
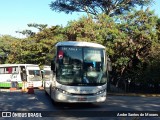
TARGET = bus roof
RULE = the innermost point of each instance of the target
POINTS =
(7, 65)
(78, 43)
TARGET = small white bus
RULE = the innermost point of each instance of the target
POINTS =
(46, 72)
(19, 73)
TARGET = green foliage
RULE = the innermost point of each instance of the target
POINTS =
(131, 41)
(34, 49)
(95, 7)
(153, 69)
(82, 30)
(128, 39)
(6, 47)
(139, 26)
(158, 29)
(30, 33)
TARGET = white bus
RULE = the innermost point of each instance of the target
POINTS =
(46, 72)
(79, 73)
(19, 73)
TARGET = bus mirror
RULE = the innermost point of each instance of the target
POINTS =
(109, 65)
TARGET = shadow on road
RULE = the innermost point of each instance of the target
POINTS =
(76, 106)
(17, 101)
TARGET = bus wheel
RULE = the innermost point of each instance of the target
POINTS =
(53, 101)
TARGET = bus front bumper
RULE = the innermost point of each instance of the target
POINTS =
(61, 97)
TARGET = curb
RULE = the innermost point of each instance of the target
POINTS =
(18, 90)
(8, 90)
(134, 94)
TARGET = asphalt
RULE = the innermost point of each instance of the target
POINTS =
(135, 94)
(109, 93)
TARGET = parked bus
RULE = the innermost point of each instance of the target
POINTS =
(79, 72)
(18, 73)
(46, 72)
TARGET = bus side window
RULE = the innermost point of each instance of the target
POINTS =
(2, 70)
(9, 70)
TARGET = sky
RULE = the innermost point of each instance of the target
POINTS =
(16, 14)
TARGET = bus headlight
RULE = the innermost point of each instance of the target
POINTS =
(62, 91)
(100, 92)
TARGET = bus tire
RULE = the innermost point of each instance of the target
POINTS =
(53, 101)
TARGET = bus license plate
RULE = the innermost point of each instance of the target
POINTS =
(82, 99)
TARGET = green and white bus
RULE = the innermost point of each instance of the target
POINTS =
(18, 73)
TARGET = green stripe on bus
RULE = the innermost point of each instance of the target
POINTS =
(7, 85)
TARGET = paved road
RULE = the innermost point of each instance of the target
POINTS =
(17, 101)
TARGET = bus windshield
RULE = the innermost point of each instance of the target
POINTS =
(80, 66)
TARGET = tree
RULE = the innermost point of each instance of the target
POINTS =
(6, 47)
(139, 26)
(83, 29)
(34, 48)
(95, 7)
(158, 29)
(30, 33)
(128, 42)
(152, 73)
